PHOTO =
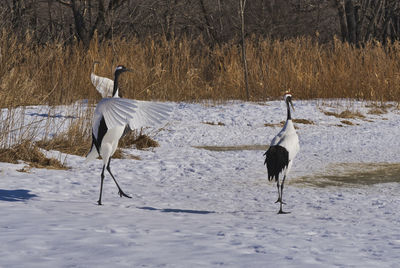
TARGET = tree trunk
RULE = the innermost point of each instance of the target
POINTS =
(245, 70)
(351, 22)
(342, 20)
(209, 29)
(80, 28)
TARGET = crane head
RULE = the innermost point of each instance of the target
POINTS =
(94, 65)
(122, 69)
(288, 99)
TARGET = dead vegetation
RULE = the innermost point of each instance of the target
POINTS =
(214, 123)
(137, 139)
(353, 175)
(76, 140)
(134, 138)
(380, 105)
(144, 142)
(377, 111)
(256, 147)
(297, 121)
(187, 70)
(31, 154)
(274, 124)
(120, 154)
(347, 122)
(303, 121)
(347, 114)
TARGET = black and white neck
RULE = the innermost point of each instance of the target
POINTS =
(119, 70)
(288, 100)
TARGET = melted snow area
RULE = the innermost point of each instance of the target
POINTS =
(193, 206)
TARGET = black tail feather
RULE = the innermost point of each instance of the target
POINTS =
(276, 160)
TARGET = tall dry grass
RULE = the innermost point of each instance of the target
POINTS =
(17, 135)
(76, 138)
(183, 70)
(187, 70)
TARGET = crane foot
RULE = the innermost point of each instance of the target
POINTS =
(283, 212)
(122, 194)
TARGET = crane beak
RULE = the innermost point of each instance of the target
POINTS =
(128, 70)
(291, 104)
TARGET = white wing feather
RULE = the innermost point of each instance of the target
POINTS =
(119, 112)
(149, 114)
(103, 85)
(116, 112)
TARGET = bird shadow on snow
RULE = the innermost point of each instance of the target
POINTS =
(176, 210)
(52, 116)
(15, 195)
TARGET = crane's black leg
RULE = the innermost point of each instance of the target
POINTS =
(281, 202)
(280, 187)
(120, 192)
(101, 185)
(279, 193)
(283, 182)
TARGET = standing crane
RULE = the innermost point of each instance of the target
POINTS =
(103, 85)
(279, 156)
(110, 118)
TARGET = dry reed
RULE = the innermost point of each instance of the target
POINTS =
(214, 123)
(345, 114)
(29, 153)
(303, 121)
(187, 70)
(347, 122)
(76, 140)
(138, 139)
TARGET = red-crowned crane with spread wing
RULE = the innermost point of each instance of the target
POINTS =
(112, 116)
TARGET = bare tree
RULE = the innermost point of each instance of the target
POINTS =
(357, 21)
(90, 16)
(362, 20)
(242, 6)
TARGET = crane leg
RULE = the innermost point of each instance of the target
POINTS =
(120, 192)
(101, 185)
(280, 187)
(281, 194)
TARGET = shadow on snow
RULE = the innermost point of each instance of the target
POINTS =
(175, 210)
(52, 116)
(15, 195)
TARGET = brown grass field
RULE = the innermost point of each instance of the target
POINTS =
(188, 70)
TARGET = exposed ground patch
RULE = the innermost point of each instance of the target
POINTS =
(347, 114)
(234, 148)
(352, 175)
(214, 123)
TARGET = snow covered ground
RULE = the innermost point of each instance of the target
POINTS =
(194, 207)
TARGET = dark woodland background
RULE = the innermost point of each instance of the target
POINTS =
(191, 50)
(216, 21)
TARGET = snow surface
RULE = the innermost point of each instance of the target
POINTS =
(199, 208)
